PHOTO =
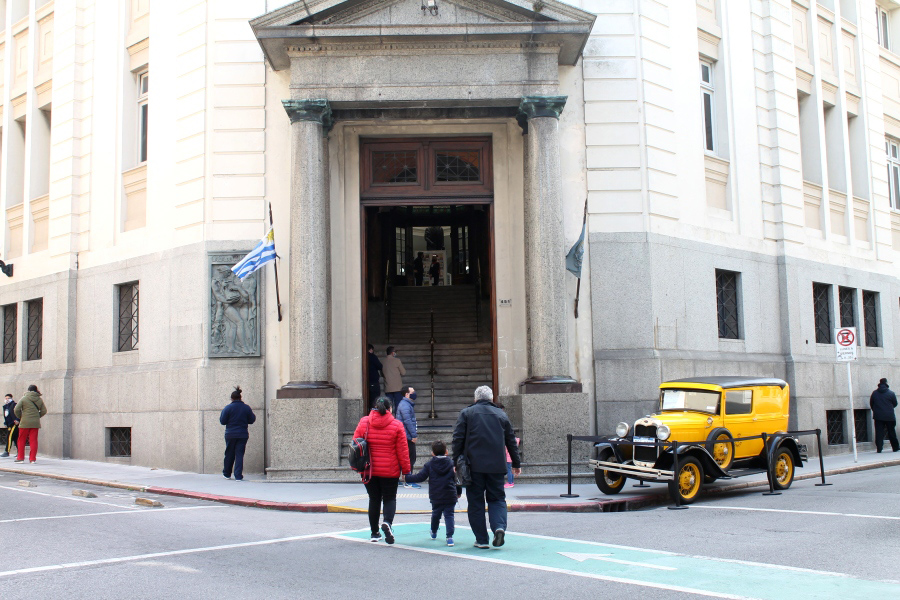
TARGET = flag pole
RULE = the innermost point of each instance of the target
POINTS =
(275, 266)
(578, 286)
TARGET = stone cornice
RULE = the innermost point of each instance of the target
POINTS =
(315, 111)
(375, 47)
(542, 106)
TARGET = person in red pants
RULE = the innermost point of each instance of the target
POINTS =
(29, 411)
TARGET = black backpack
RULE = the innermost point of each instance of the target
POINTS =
(358, 457)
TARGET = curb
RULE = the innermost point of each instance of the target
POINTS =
(613, 504)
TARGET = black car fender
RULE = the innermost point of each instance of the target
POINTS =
(779, 440)
(710, 466)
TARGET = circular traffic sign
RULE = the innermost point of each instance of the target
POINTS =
(845, 337)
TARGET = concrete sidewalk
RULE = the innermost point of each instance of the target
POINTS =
(254, 490)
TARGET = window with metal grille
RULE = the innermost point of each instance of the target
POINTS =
(834, 421)
(457, 165)
(861, 422)
(870, 318)
(822, 312)
(10, 320)
(118, 441)
(727, 304)
(847, 306)
(34, 312)
(400, 166)
(128, 317)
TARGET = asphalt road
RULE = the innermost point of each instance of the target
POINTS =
(838, 541)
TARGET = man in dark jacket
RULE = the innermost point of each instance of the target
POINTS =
(374, 375)
(481, 433)
(883, 402)
(406, 413)
(12, 424)
(442, 489)
(236, 417)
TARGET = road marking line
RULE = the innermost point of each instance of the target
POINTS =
(800, 512)
(16, 489)
(130, 511)
(139, 557)
(583, 557)
(499, 561)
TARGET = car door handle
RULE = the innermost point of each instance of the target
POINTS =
(754, 418)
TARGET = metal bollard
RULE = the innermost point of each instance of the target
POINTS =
(678, 505)
(821, 462)
(569, 494)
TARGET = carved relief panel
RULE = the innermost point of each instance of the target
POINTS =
(234, 309)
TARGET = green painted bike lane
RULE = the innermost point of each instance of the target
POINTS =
(703, 575)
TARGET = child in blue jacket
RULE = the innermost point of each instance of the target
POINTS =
(442, 489)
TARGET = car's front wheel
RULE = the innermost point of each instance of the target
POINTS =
(688, 480)
(609, 482)
(720, 445)
(783, 468)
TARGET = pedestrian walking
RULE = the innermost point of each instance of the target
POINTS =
(29, 411)
(389, 457)
(374, 376)
(510, 479)
(442, 489)
(481, 432)
(883, 402)
(236, 417)
(12, 424)
(393, 376)
(406, 412)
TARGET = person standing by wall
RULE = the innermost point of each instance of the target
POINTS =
(236, 417)
(419, 268)
(29, 411)
(389, 456)
(406, 412)
(374, 375)
(393, 376)
(12, 424)
(481, 432)
(883, 402)
(435, 271)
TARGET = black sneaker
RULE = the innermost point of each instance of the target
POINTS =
(482, 546)
(375, 537)
(388, 533)
(498, 538)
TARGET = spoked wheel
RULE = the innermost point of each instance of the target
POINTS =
(688, 480)
(783, 469)
(609, 483)
(720, 445)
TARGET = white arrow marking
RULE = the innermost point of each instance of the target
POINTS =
(583, 557)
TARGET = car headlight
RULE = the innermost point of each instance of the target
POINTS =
(663, 432)
(622, 429)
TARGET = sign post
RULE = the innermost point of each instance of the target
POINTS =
(845, 345)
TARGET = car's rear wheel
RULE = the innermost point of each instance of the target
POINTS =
(608, 481)
(720, 445)
(688, 480)
(783, 468)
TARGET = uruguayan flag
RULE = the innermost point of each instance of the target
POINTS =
(263, 253)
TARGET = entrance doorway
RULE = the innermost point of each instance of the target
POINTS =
(428, 268)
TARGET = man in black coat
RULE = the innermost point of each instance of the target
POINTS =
(12, 424)
(374, 375)
(482, 432)
(883, 402)
(236, 417)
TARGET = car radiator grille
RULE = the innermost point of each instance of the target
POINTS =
(645, 453)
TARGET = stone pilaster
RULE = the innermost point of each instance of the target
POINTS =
(545, 268)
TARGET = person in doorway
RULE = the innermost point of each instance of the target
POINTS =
(883, 402)
(434, 270)
(406, 412)
(481, 432)
(419, 268)
(236, 417)
(12, 424)
(389, 456)
(374, 376)
(442, 489)
(393, 376)
(29, 411)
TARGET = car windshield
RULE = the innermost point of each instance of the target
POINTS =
(696, 400)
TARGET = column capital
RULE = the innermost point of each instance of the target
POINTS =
(542, 106)
(316, 110)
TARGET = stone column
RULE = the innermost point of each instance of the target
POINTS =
(545, 265)
(309, 307)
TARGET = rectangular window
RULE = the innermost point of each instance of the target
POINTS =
(10, 319)
(870, 318)
(143, 114)
(118, 441)
(822, 312)
(727, 304)
(892, 147)
(34, 313)
(400, 241)
(739, 402)
(847, 306)
(861, 422)
(834, 420)
(462, 245)
(883, 18)
(707, 89)
(128, 317)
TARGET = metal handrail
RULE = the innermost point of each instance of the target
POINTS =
(387, 298)
(432, 371)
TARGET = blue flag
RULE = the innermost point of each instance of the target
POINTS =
(576, 255)
(263, 253)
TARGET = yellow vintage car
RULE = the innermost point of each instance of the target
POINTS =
(707, 417)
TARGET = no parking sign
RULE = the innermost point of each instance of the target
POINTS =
(845, 345)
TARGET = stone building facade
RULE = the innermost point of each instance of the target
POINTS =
(735, 158)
